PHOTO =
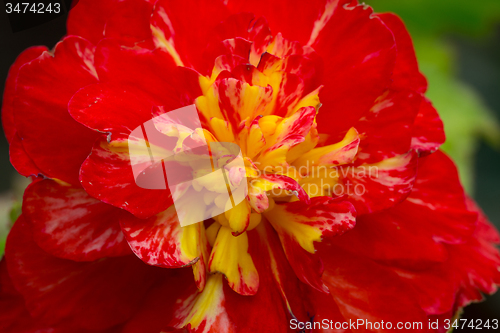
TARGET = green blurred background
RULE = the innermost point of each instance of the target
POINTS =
(458, 48)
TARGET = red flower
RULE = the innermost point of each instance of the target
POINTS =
(348, 214)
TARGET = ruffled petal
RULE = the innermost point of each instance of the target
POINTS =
(99, 178)
(206, 311)
(182, 28)
(93, 295)
(477, 262)
(343, 152)
(299, 225)
(406, 74)
(272, 184)
(274, 269)
(355, 77)
(428, 130)
(219, 309)
(88, 19)
(9, 93)
(70, 224)
(386, 128)
(294, 19)
(157, 312)
(161, 241)
(230, 257)
(150, 71)
(129, 22)
(374, 187)
(114, 109)
(20, 159)
(438, 201)
(434, 214)
(365, 290)
(390, 237)
(44, 87)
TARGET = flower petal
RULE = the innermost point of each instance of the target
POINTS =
(111, 108)
(88, 19)
(206, 312)
(386, 128)
(294, 18)
(375, 187)
(70, 224)
(28, 55)
(20, 159)
(93, 295)
(99, 177)
(14, 317)
(390, 237)
(445, 216)
(182, 27)
(44, 87)
(428, 131)
(339, 153)
(299, 225)
(406, 74)
(158, 308)
(230, 257)
(270, 183)
(365, 290)
(151, 71)
(219, 309)
(129, 22)
(161, 241)
(476, 263)
(355, 77)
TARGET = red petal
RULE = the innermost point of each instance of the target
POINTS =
(386, 129)
(472, 269)
(20, 159)
(94, 295)
(437, 201)
(293, 18)
(44, 87)
(274, 268)
(161, 241)
(183, 28)
(355, 77)
(10, 89)
(107, 175)
(279, 298)
(406, 74)
(111, 108)
(477, 264)
(390, 237)
(299, 225)
(70, 224)
(158, 308)
(378, 186)
(129, 22)
(88, 18)
(205, 312)
(435, 212)
(325, 308)
(151, 71)
(428, 132)
(14, 317)
(365, 290)
(240, 27)
(436, 288)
